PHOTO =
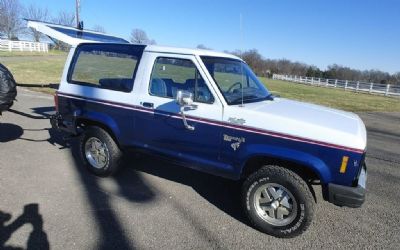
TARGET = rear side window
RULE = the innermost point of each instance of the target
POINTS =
(107, 66)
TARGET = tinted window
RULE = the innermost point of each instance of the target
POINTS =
(106, 66)
(172, 74)
(87, 35)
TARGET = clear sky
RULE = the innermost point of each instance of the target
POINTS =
(362, 34)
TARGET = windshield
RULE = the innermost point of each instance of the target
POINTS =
(236, 80)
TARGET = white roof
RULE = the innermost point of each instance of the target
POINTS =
(187, 51)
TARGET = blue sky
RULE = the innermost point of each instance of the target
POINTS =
(361, 34)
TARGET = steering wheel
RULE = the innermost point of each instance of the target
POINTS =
(231, 88)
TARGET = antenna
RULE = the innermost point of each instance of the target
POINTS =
(241, 54)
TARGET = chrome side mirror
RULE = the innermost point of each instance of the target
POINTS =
(184, 99)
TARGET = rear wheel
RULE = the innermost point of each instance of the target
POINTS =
(99, 152)
(278, 202)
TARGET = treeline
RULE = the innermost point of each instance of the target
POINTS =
(268, 67)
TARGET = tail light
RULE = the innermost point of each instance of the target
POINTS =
(56, 101)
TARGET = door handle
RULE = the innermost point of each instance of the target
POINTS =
(148, 104)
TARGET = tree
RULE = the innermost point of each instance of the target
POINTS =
(65, 18)
(39, 14)
(99, 28)
(10, 18)
(202, 46)
(139, 36)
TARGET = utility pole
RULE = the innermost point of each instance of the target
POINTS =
(77, 10)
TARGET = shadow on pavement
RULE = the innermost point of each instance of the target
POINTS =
(130, 187)
(10, 132)
(222, 193)
(37, 238)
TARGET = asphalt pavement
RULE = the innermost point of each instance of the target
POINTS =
(47, 199)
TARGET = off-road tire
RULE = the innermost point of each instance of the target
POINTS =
(294, 184)
(114, 153)
(8, 89)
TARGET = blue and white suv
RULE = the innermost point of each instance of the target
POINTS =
(208, 111)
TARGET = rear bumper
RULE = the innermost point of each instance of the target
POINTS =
(60, 124)
(349, 196)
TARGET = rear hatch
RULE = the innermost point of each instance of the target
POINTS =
(71, 35)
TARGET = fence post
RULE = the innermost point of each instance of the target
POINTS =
(9, 46)
(357, 86)
(370, 87)
(335, 83)
(387, 89)
(312, 80)
(345, 84)
(326, 82)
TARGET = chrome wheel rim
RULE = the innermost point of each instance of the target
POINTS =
(96, 153)
(275, 204)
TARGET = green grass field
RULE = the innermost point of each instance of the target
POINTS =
(36, 68)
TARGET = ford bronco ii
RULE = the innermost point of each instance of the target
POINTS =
(208, 111)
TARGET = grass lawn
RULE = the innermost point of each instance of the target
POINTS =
(47, 68)
(335, 98)
(33, 53)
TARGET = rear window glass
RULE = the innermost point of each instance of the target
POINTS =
(106, 66)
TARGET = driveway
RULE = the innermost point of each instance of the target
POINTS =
(47, 199)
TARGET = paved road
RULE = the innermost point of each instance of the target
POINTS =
(47, 198)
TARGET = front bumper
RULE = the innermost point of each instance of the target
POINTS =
(349, 196)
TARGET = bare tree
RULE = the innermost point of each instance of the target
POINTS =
(202, 46)
(139, 36)
(65, 18)
(10, 18)
(99, 28)
(39, 14)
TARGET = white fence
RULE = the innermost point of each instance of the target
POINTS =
(7, 45)
(358, 86)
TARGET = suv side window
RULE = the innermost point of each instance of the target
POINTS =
(105, 66)
(172, 74)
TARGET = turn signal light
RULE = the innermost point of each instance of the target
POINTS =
(343, 167)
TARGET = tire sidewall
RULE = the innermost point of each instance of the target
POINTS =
(303, 205)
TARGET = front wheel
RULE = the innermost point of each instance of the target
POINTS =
(278, 202)
(99, 152)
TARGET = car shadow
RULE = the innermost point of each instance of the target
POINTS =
(221, 192)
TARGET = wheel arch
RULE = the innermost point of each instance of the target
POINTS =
(82, 122)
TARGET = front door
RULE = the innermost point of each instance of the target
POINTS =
(164, 126)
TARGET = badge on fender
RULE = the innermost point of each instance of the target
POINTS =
(236, 141)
